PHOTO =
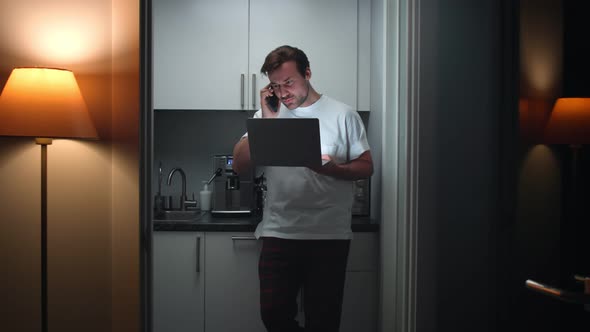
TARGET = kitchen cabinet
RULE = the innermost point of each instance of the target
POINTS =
(327, 31)
(200, 52)
(359, 305)
(232, 298)
(205, 282)
(204, 60)
(178, 282)
(208, 281)
(364, 56)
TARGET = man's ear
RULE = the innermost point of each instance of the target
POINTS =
(307, 73)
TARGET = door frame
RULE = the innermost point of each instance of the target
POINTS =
(146, 144)
(399, 199)
(399, 204)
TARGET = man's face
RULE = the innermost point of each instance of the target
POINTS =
(288, 84)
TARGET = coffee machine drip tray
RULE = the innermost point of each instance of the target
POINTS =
(231, 213)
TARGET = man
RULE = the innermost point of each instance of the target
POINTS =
(305, 227)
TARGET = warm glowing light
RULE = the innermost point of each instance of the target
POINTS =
(62, 33)
(569, 122)
(63, 43)
(541, 42)
(44, 102)
(542, 73)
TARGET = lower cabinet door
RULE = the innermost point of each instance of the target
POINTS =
(178, 282)
(232, 287)
(359, 306)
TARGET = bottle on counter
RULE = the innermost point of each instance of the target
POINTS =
(205, 196)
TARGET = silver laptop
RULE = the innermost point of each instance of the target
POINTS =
(284, 142)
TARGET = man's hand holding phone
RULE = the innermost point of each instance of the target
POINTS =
(269, 102)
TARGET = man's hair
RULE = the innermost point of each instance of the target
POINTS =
(284, 54)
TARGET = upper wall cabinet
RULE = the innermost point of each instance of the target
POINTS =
(325, 30)
(200, 54)
(208, 53)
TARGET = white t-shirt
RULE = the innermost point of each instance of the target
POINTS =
(302, 204)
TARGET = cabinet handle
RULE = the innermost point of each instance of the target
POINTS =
(242, 90)
(198, 254)
(253, 91)
(243, 238)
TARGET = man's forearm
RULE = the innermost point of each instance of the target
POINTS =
(360, 168)
(354, 170)
(242, 163)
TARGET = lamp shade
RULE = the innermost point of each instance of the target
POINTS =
(44, 102)
(569, 122)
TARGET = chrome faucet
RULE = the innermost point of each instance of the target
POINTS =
(183, 199)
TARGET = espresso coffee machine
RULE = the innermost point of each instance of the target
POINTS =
(232, 193)
(361, 205)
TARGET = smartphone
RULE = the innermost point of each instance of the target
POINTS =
(273, 102)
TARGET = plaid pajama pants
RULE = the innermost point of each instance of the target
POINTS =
(317, 267)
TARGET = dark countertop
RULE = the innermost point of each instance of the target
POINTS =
(208, 223)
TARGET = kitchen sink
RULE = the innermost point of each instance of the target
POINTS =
(177, 215)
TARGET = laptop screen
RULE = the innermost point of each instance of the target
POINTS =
(284, 142)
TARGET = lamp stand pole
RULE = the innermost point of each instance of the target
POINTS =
(575, 211)
(575, 160)
(43, 142)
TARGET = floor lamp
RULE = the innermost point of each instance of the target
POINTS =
(569, 124)
(44, 103)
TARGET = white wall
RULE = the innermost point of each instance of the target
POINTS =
(93, 241)
(72, 35)
(125, 167)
